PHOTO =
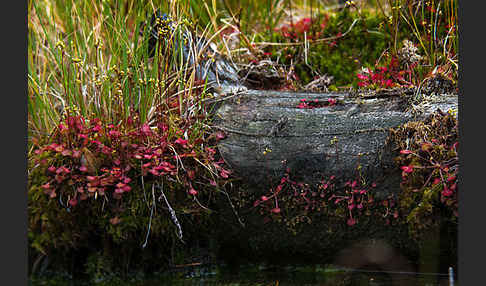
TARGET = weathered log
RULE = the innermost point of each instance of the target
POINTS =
(267, 133)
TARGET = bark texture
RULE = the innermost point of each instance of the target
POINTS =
(267, 133)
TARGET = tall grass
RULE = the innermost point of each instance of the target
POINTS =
(433, 25)
(89, 58)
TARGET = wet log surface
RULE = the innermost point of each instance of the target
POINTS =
(267, 133)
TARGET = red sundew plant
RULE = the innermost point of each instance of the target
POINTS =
(305, 27)
(378, 78)
(386, 76)
(349, 201)
(89, 159)
(311, 104)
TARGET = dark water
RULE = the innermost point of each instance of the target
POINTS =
(311, 278)
(267, 276)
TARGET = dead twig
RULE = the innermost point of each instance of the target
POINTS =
(172, 214)
(309, 41)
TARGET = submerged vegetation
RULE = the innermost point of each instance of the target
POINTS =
(122, 154)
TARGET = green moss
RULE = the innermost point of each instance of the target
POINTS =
(362, 46)
(341, 58)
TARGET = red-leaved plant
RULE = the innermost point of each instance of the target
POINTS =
(387, 76)
(90, 159)
(350, 201)
(305, 27)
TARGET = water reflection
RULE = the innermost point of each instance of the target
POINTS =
(370, 262)
(312, 276)
(367, 262)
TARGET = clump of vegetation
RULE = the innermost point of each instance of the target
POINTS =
(312, 41)
(430, 167)
(349, 47)
(120, 144)
(91, 165)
